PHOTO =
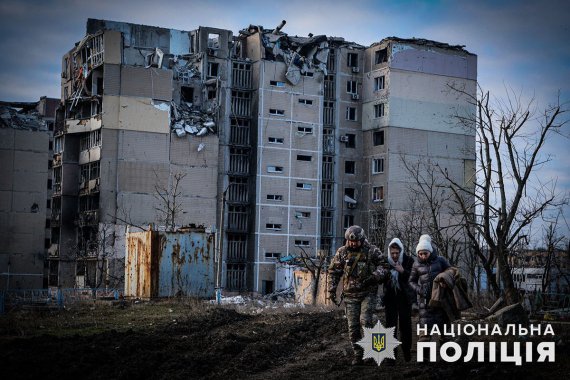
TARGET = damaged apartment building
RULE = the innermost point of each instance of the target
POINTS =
(276, 142)
(26, 143)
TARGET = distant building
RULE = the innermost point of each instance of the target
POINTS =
(26, 140)
(539, 269)
(282, 141)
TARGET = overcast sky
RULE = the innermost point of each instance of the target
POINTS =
(524, 45)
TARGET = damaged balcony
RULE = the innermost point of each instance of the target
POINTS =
(239, 161)
(328, 168)
(327, 223)
(90, 181)
(236, 277)
(241, 75)
(88, 218)
(327, 195)
(328, 141)
(237, 218)
(239, 131)
(241, 103)
(237, 247)
(328, 113)
(238, 190)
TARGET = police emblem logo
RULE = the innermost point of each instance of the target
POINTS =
(379, 343)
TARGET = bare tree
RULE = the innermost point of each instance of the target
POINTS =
(168, 197)
(378, 218)
(508, 196)
(315, 266)
(443, 223)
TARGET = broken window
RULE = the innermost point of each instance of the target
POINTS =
(212, 94)
(275, 169)
(307, 74)
(275, 197)
(351, 87)
(241, 103)
(239, 160)
(49, 184)
(213, 41)
(273, 226)
(305, 130)
(349, 167)
(276, 112)
(349, 192)
(348, 221)
(275, 140)
(304, 186)
(187, 94)
(378, 165)
(328, 168)
(237, 247)
(237, 218)
(239, 131)
(378, 110)
(213, 68)
(328, 113)
(379, 83)
(58, 144)
(241, 76)
(378, 138)
(381, 56)
(351, 113)
(331, 61)
(351, 143)
(327, 195)
(90, 140)
(302, 214)
(302, 157)
(236, 277)
(276, 83)
(302, 243)
(352, 60)
(328, 141)
(377, 193)
(306, 101)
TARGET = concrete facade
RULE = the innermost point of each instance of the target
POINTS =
(25, 192)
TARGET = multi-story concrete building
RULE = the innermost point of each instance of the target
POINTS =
(282, 142)
(26, 139)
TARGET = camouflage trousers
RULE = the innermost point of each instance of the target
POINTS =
(359, 314)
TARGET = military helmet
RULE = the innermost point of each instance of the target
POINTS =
(354, 233)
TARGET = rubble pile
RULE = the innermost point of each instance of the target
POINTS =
(185, 119)
(12, 118)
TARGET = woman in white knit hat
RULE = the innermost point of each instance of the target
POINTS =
(424, 271)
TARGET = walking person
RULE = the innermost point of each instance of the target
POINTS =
(398, 296)
(424, 271)
(360, 265)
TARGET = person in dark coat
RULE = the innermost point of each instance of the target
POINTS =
(398, 296)
(424, 271)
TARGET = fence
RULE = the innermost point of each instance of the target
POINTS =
(59, 298)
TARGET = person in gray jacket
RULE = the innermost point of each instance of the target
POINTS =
(424, 271)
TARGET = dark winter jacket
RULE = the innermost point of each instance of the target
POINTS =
(393, 293)
(421, 281)
(360, 271)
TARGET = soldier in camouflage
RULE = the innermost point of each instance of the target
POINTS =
(361, 267)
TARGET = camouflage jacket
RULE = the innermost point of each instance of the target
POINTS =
(361, 271)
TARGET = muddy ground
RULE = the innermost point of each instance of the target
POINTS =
(184, 340)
